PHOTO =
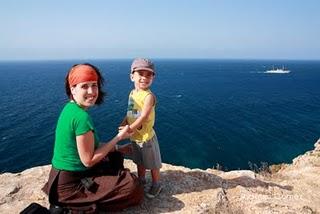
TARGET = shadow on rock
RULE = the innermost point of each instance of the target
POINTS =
(163, 203)
(178, 182)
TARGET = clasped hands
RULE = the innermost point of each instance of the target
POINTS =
(124, 133)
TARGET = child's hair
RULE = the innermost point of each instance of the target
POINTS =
(101, 95)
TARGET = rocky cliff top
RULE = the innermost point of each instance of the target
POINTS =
(285, 188)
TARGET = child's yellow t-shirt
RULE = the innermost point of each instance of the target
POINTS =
(135, 105)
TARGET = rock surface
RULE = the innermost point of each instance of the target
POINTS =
(287, 188)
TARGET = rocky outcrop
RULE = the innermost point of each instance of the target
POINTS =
(286, 188)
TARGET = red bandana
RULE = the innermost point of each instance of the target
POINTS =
(82, 73)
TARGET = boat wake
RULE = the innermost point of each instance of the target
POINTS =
(278, 71)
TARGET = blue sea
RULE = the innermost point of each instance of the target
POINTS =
(209, 112)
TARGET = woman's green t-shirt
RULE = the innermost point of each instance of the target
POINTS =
(73, 121)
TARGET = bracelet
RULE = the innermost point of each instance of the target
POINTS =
(116, 147)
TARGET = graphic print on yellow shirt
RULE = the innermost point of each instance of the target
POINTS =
(135, 105)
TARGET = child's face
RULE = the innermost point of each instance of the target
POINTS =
(85, 93)
(142, 79)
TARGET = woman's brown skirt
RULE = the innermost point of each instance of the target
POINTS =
(106, 187)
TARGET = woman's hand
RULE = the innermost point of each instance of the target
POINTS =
(122, 127)
(124, 132)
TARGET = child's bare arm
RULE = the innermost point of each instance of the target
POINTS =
(146, 109)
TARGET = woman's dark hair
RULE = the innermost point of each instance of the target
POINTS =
(101, 95)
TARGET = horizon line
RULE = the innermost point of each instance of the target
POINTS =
(158, 58)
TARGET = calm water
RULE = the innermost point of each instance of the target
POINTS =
(209, 111)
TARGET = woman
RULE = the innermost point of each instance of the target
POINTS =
(87, 176)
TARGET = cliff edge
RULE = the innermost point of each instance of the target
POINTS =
(285, 188)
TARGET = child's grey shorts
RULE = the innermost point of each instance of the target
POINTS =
(147, 154)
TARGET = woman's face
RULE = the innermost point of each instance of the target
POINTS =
(85, 94)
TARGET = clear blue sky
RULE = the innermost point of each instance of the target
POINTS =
(64, 29)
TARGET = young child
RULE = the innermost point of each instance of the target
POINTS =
(140, 118)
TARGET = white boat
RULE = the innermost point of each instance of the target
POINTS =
(278, 71)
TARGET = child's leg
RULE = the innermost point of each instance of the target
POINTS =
(156, 185)
(155, 173)
(142, 174)
(141, 171)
